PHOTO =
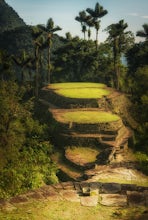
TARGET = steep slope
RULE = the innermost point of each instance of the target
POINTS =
(9, 19)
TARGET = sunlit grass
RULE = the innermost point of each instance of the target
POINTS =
(73, 85)
(80, 90)
(83, 154)
(65, 210)
(83, 93)
(88, 117)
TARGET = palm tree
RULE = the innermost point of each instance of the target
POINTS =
(68, 36)
(82, 18)
(117, 37)
(97, 27)
(144, 32)
(84, 29)
(96, 13)
(40, 43)
(90, 23)
(49, 29)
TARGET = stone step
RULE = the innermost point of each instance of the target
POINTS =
(87, 194)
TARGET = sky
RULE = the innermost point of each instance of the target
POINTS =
(63, 12)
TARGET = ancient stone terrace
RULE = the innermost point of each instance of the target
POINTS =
(87, 194)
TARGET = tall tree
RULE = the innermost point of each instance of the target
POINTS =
(96, 13)
(90, 23)
(82, 18)
(68, 36)
(50, 29)
(97, 27)
(40, 43)
(143, 33)
(117, 38)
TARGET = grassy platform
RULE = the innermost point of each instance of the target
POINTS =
(79, 90)
(81, 155)
(74, 85)
(86, 117)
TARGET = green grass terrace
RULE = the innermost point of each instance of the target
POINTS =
(84, 116)
(80, 90)
(81, 155)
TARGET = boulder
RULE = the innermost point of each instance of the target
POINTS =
(146, 197)
(135, 198)
(70, 195)
(89, 200)
(113, 200)
(110, 188)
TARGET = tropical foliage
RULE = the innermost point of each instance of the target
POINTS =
(120, 41)
(25, 147)
(143, 33)
(91, 20)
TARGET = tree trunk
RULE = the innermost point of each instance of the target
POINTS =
(37, 72)
(49, 56)
(23, 75)
(96, 40)
(116, 63)
(84, 36)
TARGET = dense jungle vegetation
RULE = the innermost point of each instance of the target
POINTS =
(32, 56)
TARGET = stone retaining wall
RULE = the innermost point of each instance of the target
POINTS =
(65, 102)
(87, 194)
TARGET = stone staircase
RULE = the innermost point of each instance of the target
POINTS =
(87, 194)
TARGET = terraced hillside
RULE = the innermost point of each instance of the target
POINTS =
(97, 171)
(89, 134)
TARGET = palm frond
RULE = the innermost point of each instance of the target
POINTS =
(141, 33)
(91, 12)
